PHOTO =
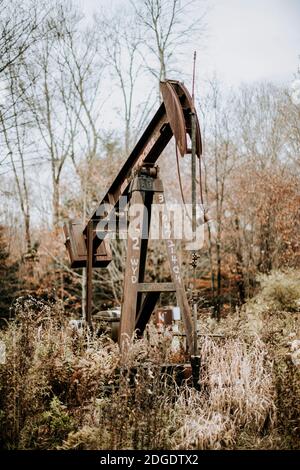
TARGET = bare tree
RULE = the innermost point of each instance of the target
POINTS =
(16, 151)
(20, 27)
(122, 46)
(51, 100)
(220, 158)
(167, 28)
(83, 62)
(290, 128)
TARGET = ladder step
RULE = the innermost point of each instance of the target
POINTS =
(156, 287)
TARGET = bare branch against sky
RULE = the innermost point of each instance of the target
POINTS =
(248, 40)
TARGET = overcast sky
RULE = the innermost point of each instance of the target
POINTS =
(247, 40)
(254, 39)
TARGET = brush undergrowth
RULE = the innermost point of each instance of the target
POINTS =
(58, 387)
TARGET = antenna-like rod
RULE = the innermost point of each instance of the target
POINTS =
(193, 138)
(195, 358)
(193, 82)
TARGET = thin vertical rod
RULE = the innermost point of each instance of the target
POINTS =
(194, 225)
(195, 328)
(193, 173)
(193, 83)
(194, 214)
(89, 274)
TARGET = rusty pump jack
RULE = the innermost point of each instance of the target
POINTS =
(138, 179)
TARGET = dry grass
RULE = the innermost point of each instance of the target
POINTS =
(58, 388)
(237, 393)
(281, 290)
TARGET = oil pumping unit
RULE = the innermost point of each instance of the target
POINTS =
(138, 180)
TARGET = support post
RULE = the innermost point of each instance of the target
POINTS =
(131, 279)
(177, 278)
(136, 311)
(89, 274)
(141, 195)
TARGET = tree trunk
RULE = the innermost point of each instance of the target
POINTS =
(55, 203)
(219, 301)
(239, 265)
(27, 232)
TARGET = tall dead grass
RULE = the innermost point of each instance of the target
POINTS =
(66, 389)
(237, 393)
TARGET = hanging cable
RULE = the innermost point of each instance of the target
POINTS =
(205, 217)
(200, 185)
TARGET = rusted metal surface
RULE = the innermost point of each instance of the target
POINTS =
(148, 149)
(188, 108)
(77, 248)
(164, 316)
(153, 141)
(136, 311)
(145, 311)
(175, 115)
(156, 287)
(131, 280)
(138, 177)
(179, 284)
(144, 183)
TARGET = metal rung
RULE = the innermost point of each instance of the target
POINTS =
(156, 287)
